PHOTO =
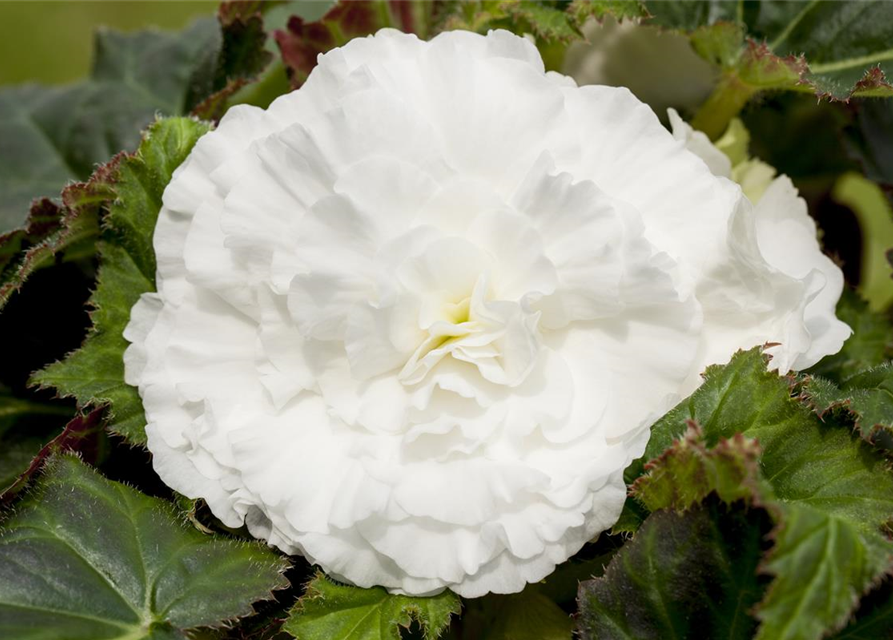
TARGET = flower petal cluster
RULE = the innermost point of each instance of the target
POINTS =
(798, 312)
(415, 319)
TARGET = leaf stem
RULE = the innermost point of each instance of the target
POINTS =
(726, 102)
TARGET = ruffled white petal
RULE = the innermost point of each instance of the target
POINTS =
(798, 311)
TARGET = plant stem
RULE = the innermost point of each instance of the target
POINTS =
(726, 102)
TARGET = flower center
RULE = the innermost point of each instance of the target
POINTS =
(499, 337)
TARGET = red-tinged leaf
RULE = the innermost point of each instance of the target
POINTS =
(54, 231)
(243, 54)
(83, 434)
(688, 471)
(302, 41)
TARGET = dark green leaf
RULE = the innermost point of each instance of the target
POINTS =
(87, 558)
(26, 425)
(818, 473)
(847, 44)
(53, 232)
(242, 56)
(330, 610)
(869, 140)
(94, 374)
(836, 49)
(49, 136)
(874, 619)
(83, 434)
(689, 15)
(529, 615)
(690, 575)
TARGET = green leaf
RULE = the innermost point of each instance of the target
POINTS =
(822, 564)
(847, 44)
(330, 610)
(804, 460)
(836, 50)
(303, 41)
(689, 15)
(874, 620)
(83, 435)
(868, 396)
(54, 135)
(242, 56)
(140, 181)
(816, 473)
(583, 10)
(51, 232)
(867, 347)
(25, 427)
(543, 21)
(552, 24)
(142, 574)
(690, 575)
(529, 615)
(94, 374)
(688, 471)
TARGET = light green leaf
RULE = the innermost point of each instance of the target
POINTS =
(689, 575)
(582, 10)
(94, 374)
(546, 22)
(822, 564)
(140, 181)
(84, 558)
(688, 471)
(550, 23)
(872, 208)
(868, 396)
(330, 610)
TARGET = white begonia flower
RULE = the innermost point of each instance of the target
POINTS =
(415, 319)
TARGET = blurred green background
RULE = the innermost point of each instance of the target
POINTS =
(51, 42)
